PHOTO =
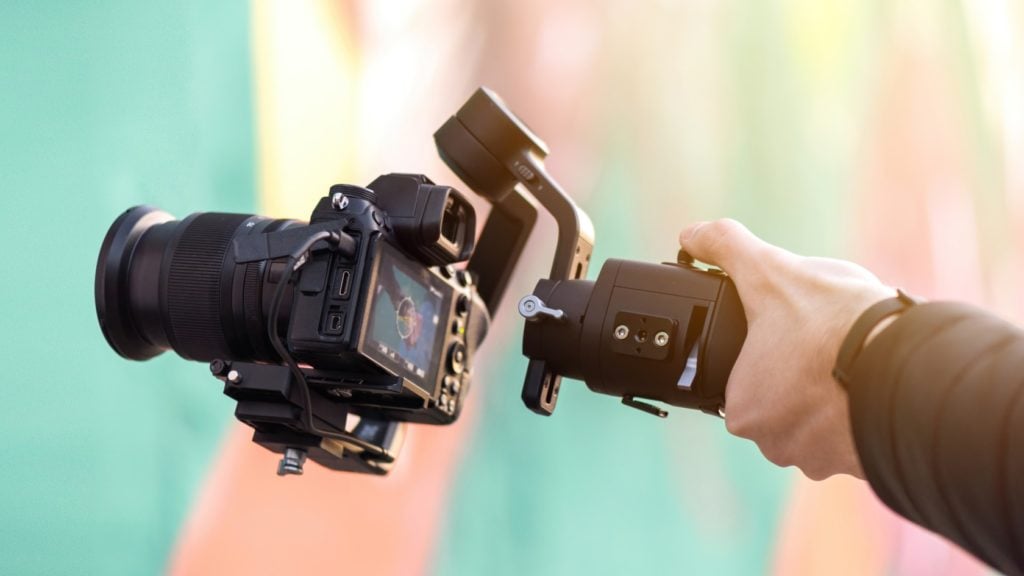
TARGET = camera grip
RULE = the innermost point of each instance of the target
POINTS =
(664, 332)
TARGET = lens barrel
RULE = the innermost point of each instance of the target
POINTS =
(163, 283)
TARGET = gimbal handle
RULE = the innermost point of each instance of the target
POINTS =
(492, 151)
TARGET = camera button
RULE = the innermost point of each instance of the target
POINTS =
(683, 258)
(462, 305)
(458, 327)
(524, 171)
(456, 358)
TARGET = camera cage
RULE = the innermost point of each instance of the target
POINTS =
(343, 419)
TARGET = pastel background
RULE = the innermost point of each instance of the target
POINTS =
(891, 133)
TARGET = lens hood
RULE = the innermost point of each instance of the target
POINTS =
(112, 298)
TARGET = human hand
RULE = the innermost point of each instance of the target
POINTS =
(781, 393)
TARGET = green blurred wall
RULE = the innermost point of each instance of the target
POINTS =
(104, 105)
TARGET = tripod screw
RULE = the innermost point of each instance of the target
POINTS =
(291, 462)
(339, 201)
(218, 367)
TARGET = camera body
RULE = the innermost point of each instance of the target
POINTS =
(371, 323)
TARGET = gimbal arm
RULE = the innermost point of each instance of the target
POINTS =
(492, 151)
(500, 245)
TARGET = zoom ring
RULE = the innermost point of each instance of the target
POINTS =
(195, 286)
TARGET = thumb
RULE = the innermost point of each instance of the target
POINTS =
(724, 243)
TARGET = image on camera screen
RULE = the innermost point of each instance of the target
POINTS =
(404, 322)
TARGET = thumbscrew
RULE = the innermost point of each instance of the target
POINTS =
(534, 309)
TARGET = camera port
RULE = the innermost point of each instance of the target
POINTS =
(344, 282)
(335, 323)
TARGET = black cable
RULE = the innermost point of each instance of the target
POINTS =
(294, 262)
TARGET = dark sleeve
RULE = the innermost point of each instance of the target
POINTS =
(937, 406)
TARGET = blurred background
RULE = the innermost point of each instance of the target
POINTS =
(891, 133)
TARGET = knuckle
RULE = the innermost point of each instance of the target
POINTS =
(727, 224)
(733, 426)
(733, 247)
(739, 426)
(777, 453)
(814, 473)
(723, 233)
(750, 426)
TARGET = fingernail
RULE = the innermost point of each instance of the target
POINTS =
(690, 230)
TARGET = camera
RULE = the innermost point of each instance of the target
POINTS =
(331, 335)
(356, 305)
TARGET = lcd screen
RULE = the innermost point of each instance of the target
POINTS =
(403, 332)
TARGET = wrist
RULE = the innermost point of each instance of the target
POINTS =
(881, 326)
(868, 325)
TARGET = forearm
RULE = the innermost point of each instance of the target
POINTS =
(937, 409)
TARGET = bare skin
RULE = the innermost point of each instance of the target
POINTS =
(781, 393)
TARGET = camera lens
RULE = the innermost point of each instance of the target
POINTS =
(168, 284)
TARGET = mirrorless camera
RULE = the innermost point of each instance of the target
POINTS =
(309, 324)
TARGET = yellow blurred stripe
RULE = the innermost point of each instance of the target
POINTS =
(305, 76)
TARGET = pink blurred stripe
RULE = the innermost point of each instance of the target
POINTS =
(916, 228)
